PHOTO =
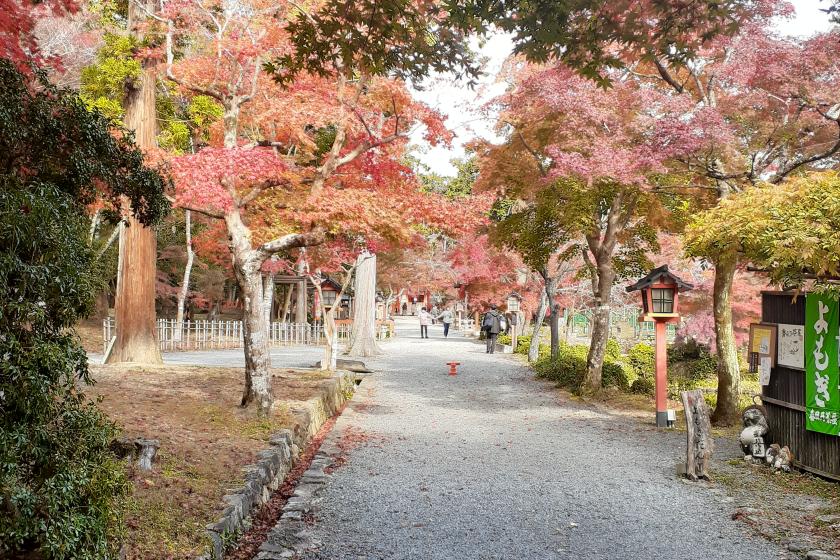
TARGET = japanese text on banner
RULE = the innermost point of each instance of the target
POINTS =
(822, 394)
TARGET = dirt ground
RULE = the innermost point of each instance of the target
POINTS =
(797, 510)
(206, 439)
(90, 334)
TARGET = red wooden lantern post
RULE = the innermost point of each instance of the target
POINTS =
(660, 297)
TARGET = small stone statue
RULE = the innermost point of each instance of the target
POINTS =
(780, 458)
(752, 436)
(140, 449)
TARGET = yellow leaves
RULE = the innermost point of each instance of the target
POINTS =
(792, 230)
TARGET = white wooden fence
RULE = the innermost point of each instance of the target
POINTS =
(209, 335)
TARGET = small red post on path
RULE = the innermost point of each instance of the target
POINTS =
(453, 367)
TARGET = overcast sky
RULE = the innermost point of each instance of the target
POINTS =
(460, 103)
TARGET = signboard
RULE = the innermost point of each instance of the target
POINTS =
(791, 351)
(822, 394)
(762, 339)
(764, 368)
(762, 350)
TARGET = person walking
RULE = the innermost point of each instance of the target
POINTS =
(425, 320)
(446, 319)
(492, 326)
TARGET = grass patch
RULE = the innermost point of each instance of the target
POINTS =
(206, 440)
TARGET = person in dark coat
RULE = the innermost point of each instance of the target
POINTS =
(492, 326)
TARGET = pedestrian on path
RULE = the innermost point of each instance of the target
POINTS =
(492, 325)
(425, 321)
(446, 319)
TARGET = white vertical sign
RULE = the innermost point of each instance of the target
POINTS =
(791, 347)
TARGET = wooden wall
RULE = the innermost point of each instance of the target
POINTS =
(784, 398)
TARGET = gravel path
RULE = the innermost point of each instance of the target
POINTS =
(490, 464)
(291, 356)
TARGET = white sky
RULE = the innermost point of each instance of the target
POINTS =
(461, 104)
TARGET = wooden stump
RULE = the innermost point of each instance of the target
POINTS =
(699, 444)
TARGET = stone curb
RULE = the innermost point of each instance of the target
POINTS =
(268, 473)
(292, 535)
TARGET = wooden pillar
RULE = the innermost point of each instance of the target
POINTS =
(300, 302)
(661, 355)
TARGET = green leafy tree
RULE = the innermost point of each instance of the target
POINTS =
(538, 232)
(59, 484)
(590, 36)
(791, 230)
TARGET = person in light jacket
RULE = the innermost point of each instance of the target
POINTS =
(492, 326)
(446, 319)
(425, 320)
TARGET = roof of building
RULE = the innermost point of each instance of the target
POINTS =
(655, 275)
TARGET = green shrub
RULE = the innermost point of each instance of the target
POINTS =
(617, 373)
(569, 369)
(686, 350)
(643, 386)
(690, 366)
(613, 351)
(60, 486)
(642, 357)
(523, 344)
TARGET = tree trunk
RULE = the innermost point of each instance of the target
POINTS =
(331, 334)
(287, 303)
(185, 283)
(363, 335)
(137, 340)
(231, 120)
(135, 298)
(246, 267)
(268, 297)
(534, 348)
(554, 327)
(570, 323)
(728, 369)
(600, 327)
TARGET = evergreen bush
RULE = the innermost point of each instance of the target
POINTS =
(642, 357)
(59, 484)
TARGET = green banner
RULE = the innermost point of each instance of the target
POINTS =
(822, 376)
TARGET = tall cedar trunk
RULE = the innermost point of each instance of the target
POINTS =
(185, 283)
(600, 327)
(534, 348)
(137, 339)
(363, 335)
(728, 369)
(246, 267)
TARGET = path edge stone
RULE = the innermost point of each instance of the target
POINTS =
(274, 464)
(291, 534)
